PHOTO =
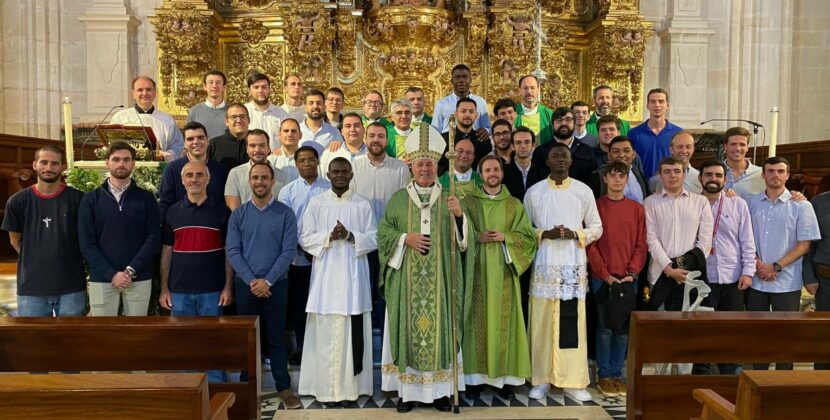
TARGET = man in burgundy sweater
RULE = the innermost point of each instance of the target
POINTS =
(616, 257)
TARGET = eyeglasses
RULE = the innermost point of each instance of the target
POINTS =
(501, 133)
(564, 119)
(241, 117)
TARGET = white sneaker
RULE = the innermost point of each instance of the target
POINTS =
(538, 392)
(579, 394)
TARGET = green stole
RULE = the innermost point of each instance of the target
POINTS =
(545, 134)
(591, 126)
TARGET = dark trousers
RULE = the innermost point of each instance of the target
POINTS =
(823, 304)
(524, 286)
(299, 280)
(724, 298)
(378, 302)
(779, 302)
(271, 311)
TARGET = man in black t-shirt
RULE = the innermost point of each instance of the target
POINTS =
(42, 222)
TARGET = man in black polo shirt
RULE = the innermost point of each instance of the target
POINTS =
(196, 279)
(582, 155)
(229, 148)
(43, 229)
(466, 114)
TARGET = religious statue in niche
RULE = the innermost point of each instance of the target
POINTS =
(305, 27)
(311, 69)
(631, 37)
(555, 84)
(181, 25)
(521, 31)
(508, 78)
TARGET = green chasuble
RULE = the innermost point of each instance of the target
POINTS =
(426, 119)
(462, 188)
(545, 133)
(395, 143)
(418, 294)
(495, 338)
(382, 120)
(591, 126)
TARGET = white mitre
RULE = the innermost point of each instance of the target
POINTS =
(425, 142)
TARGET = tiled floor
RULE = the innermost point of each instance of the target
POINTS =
(556, 405)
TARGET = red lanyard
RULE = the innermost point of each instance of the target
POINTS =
(717, 222)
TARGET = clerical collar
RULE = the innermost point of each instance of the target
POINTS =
(418, 118)
(212, 106)
(491, 196)
(463, 176)
(141, 111)
(404, 133)
(566, 183)
(530, 111)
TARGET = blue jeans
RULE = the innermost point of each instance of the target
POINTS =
(272, 313)
(611, 348)
(70, 304)
(199, 304)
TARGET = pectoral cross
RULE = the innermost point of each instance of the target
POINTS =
(47, 220)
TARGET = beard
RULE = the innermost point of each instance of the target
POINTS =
(261, 101)
(563, 133)
(713, 187)
(376, 150)
(603, 110)
(120, 173)
(48, 177)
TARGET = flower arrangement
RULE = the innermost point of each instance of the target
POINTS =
(148, 179)
(84, 180)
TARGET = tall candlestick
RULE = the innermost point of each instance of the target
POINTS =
(67, 135)
(773, 128)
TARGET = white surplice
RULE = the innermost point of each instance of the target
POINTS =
(340, 288)
(168, 136)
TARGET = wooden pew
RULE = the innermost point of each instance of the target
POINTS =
(771, 395)
(138, 344)
(175, 396)
(713, 337)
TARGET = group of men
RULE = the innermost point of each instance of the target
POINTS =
(327, 221)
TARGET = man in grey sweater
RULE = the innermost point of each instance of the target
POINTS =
(211, 112)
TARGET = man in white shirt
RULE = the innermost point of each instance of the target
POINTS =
(283, 157)
(682, 146)
(461, 78)
(354, 147)
(741, 175)
(263, 114)
(293, 106)
(169, 139)
(237, 189)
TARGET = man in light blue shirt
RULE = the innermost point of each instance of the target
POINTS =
(783, 230)
(741, 175)
(461, 78)
(315, 131)
(296, 196)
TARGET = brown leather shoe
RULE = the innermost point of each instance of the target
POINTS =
(607, 387)
(290, 399)
(621, 386)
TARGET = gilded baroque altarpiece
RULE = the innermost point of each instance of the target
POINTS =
(391, 45)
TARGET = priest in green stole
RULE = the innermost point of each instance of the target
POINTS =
(533, 114)
(414, 248)
(415, 96)
(495, 345)
(467, 180)
(400, 128)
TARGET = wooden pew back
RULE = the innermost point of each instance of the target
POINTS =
(180, 396)
(713, 337)
(138, 344)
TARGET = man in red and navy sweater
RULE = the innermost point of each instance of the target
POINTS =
(617, 257)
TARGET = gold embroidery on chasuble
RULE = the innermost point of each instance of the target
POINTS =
(425, 283)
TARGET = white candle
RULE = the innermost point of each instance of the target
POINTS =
(773, 128)
(67, 126)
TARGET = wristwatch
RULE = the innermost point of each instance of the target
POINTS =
(776, 267)
(633, 275)
(131, 272)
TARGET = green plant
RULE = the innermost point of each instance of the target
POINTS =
(84, 180)
(148, 178)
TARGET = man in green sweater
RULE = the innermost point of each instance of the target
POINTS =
(603, 97)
